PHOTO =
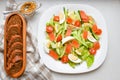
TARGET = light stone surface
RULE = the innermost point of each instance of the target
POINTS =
(110, 10)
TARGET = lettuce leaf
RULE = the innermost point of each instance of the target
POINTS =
(72, 64)
(90, 60)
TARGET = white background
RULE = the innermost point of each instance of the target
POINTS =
(110, 10)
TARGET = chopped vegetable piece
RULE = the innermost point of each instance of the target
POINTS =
(51, 36)
(84, 17)
(53, 54)
(90, 60)
(59, 38)
(96, 45)
(68, 33)
(99, 32)
(56, 18)
(75, 43)
(85, 34)
(68, 48)
(94, 28)
(92, 51)
(77, 23)
(49, 29)
(71, 64)
(69, 20)
(90, 44)
(65, 59)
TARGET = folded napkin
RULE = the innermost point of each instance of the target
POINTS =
(35, 69)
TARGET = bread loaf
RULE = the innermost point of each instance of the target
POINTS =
(15, 45)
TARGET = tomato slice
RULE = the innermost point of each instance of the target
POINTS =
(65, 59)
(77, 23)
(94, 28)
(69, 20)
(85, 34)
(99, 32)
(84, 17)
(68, 33)
(56, 18)
(49, 29)
(51, 36)
(75, 43)
(53, 54)
(96, 45)
(68, 48)
(92, 51)
(59, 38)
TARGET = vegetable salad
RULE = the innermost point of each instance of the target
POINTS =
(72, 37)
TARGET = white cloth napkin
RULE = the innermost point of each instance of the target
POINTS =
(35, 70)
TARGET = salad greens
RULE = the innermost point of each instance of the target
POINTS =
(72, 37)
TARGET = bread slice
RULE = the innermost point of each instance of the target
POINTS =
(13, 54)
(15, 65)
(14, 19)
(14, 38)
(13, 30)
(16, 45)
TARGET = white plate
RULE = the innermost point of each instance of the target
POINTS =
(57, 66)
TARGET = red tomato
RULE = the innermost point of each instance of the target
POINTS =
(85, 34)
(94, 28)
(68, 48)
(59, 38)
(68, 33)
(75, 43)
(84, 17)
(51, 36)
(49, 29)
(56, 18)
(65, 59)
(53, 54)
(99, 32)
(69, 20)
(77, 23)
(96, 45)
(92, 51)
